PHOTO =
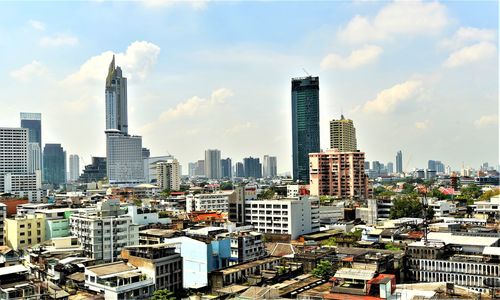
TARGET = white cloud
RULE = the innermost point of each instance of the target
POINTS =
(238, 128)
(465, 35)
(471, 54)
(486, 121)
(37, 25)
(58, 40)
(137, 61)
(195, 4)
(365, 55)
(399, 17)
(195, 105)
(388, 99)
(27, 72)
(422, 125)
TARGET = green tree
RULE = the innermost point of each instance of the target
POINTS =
(163, 295)
(165, 193)
(324, 269)
(470, 191)
(406, 206)
(488, 194)
(330, 242)
(267, 194)
(226, 186)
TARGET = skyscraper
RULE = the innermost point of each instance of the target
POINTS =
(305, 124)
(431, 165)
(212, 164)
(226, 168)
(168, 174)
(95, 171)
(269, 166)
(54, 164)
(343, 135)
(74, 167)
(252, 167)
(33, 122)
(34, 158)
(239, 170)
(399, 162)
(123, 151)
(390, 167)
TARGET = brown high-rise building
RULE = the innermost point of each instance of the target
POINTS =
(338, 174)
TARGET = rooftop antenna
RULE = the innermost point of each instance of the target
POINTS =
(303, 69)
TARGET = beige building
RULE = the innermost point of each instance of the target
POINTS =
(24, 231)
(168, 175)
(338, 174)
(343, 135)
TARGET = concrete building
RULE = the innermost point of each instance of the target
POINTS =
(94, 172)
(54, 164)
(218, 201)
(292, 217)
(239, 170)
(212, 164)
(146, 153)
(159, 262)
(399, 162)
(24, 231)
(343, 135)
(246, 245)
(252, 167)
(105, 231)
(3, 216)
(33, 122)
(150, 171)
(118, 280)
(74, 167)
(226, 168)
(168, 175)
(145, 216)
(305, 124)
(390, 167)
(269, 166)
(338, 174)
(124, 158)
(34, 158)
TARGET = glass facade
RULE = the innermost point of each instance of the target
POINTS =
(54, 164)
(305, 124)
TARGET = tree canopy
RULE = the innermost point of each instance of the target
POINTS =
(324, 269)
(163, 295)
(409, 206)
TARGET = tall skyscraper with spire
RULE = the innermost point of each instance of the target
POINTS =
(123, 151)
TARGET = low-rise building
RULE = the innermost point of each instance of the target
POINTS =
(217, 201)
(24, 231)
(246, 245)
(15, 284)
(145, 216)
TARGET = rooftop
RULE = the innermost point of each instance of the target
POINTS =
(12, 270)
(111, 268)
(357, 274)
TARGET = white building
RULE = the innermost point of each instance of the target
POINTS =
(105, 231)
(74, 167)
(168, 175)
(118, 280)
(217, 201)
(295, 216)
(487, 209)
(124, 158)
(442, 208)
(269, 166)
(150, 166)
(145, 216)
(34, 158)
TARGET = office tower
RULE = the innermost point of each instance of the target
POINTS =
(376, 167)
(439, 167)
(33, 122)
(305, 124)
(269, 166)
(226, 168)
(212, 164)
(390, 167)
(74, 167)
(252, 167)
(367, 165)
(54, 164)
(338, 174)
(431, 165)
(239, 170)
(168, 175)
(343, 135)
(200, 168)
(150, 170)
(146, 153)
(123, 151)
(95, 171)
(399, 162)
(34, 158)
(192, 169)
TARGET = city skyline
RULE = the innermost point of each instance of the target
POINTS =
(416, 103)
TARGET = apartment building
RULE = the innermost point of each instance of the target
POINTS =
(218, 201)
(105, 231)
(246, 245)
(295, 216)
(24, 231)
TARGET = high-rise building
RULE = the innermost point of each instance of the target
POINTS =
(390, 167)
(367, 165)
(226, 168)
(431, 165)
(252, 167)
(343, 135)
(338, 174)
(439, 167)
(305, 124)
(168, 175)
(269, 166)
(146, 153)
(212, 164)
(34, 158)
(200, 168)
(33, 122)
(239, 170)
(54, 164)
(74, 167)
(376, 167)
(150, 170)
(399, 162)
(124, 152)
(95, 171)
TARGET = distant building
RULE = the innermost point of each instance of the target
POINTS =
(33, 122)
(431, 165)
(168, 175)
(146, 153)
(74, 167)
(200, 168)
(54, 164)
(269, 167)
(338, 174)
(246, 245)
(239, 170)
(226, 168)
(377, 167)
(191, 169)
(252, 167)
(343, 135)
(390, 167)
(95, 171)
(367, 165)
(218, 201)
(212, 164)
(149, 166)
(305, 124)
(399, 162)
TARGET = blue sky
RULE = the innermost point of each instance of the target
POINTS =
(421, 77)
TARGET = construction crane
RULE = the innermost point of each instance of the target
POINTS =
(303, 69)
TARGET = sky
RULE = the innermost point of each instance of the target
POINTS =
(421, 77)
